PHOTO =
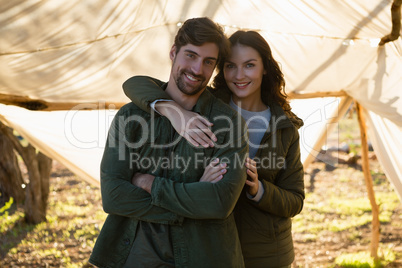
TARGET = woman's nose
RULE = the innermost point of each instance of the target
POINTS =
(239, 73)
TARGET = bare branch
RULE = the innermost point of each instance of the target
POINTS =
(396, 23)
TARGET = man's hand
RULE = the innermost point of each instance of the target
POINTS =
(143, 181)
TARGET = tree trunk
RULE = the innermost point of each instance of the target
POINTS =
(45, 169)
(39, 168)
(11, 180)
(37, 193)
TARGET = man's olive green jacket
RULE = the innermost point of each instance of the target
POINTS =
(202, 225)
(264, 227)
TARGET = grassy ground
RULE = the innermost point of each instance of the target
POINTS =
(333, 230)
(74, 219)
(336, 219)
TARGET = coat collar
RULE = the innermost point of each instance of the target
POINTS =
(279, 117)
(204, 102)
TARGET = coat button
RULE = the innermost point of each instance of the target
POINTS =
(126, 241)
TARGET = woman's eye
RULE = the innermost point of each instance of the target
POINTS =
(230, 66)
(250, 65)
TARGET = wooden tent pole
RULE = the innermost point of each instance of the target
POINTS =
(375, 227)
(41, 105)
(294, 95)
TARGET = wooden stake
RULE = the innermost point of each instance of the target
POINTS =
(375, 227)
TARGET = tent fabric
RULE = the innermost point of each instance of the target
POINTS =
(82, 51)
(381, 132)
(74, 138)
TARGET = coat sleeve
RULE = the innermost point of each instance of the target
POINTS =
(205, 200)
(119, 196)
(285, 197)
(143, 90)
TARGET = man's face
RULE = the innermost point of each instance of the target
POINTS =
(193, 66)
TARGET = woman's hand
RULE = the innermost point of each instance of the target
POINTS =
(253, 184)
(214, 171)
(192, 126)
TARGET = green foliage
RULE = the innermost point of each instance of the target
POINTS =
(7, 205)
(363, 259)
(7, 221)
(348, 130)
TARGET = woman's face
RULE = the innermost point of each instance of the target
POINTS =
(243, 73)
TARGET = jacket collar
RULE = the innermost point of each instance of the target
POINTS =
(279, 117)
(204, 102)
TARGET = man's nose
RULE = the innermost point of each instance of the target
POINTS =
(197, 67)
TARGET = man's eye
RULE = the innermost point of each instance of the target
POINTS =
(190, 55)
(210, 62)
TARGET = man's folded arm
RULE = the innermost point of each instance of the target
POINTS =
(205, 200)
(119, 196)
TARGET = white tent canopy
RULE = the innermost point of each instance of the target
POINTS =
(65, 53)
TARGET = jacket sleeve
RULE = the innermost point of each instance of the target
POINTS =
(205, 200)
(143, 90)
(285, 198)
(119, 196)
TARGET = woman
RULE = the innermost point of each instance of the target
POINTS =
(251, 82)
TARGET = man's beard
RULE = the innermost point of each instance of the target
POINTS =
(181, 85)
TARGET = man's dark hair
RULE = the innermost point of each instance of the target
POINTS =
(198, 31)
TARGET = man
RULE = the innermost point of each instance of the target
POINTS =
(169, 218)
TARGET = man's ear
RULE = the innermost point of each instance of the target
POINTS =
(172, 52)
